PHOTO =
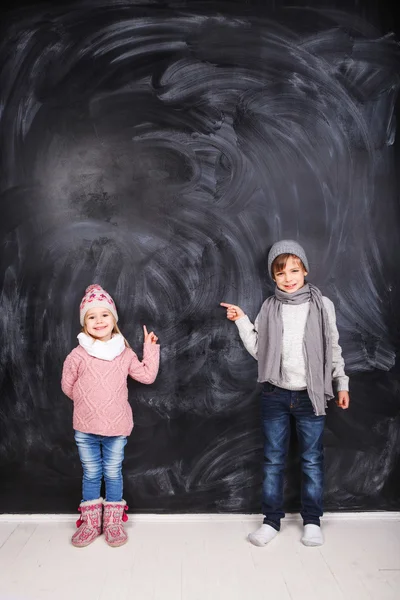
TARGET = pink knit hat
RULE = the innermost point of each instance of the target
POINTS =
(96, 297)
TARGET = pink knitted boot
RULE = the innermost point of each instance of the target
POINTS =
(89, 523)
(113, 519)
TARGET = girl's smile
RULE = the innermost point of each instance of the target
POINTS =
(99, 324)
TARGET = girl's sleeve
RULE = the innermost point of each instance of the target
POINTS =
(69, 374)
(339, 377)
(145, 371)
(249, 334)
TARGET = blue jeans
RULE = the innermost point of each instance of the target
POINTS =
(101, 455)
(277, 406)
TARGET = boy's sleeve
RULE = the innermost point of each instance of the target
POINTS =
(69, 374)
(339, 377)
(145, 371)
(249, 334)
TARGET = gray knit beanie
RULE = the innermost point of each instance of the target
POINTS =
(286, 247)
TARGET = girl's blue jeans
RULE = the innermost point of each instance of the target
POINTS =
(101, 456)
(277, 406)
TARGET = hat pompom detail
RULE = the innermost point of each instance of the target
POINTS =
(94, 286)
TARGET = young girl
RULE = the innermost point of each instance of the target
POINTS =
(94, 377)
(295, 341)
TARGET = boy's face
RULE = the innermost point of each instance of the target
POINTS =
(291, 277)
(99, 324)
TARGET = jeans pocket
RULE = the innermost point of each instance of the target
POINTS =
(268, 389)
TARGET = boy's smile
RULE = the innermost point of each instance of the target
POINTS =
(291, 277)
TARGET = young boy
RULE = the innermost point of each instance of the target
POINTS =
(295, 341)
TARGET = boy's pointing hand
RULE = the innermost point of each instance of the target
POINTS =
(233, 312)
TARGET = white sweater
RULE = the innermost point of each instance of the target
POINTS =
(293, 370)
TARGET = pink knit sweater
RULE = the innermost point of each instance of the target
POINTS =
(99, 388)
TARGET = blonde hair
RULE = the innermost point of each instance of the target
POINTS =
(116, 329)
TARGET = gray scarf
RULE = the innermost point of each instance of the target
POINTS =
(317, 343)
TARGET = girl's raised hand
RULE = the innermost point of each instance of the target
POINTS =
(149, 338)
(233, 312)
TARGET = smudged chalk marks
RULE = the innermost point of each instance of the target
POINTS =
(160, 151)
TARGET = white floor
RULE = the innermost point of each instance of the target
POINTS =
(201, 558)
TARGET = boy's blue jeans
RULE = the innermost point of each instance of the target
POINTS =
(101, 456)
(277, 406)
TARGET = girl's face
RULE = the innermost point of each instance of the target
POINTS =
(291, 277)
(99, 324)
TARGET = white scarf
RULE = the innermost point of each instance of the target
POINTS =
(103, 350)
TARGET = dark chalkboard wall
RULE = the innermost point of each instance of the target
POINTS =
(160, 150)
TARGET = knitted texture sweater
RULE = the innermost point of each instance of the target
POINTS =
(99, 390)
